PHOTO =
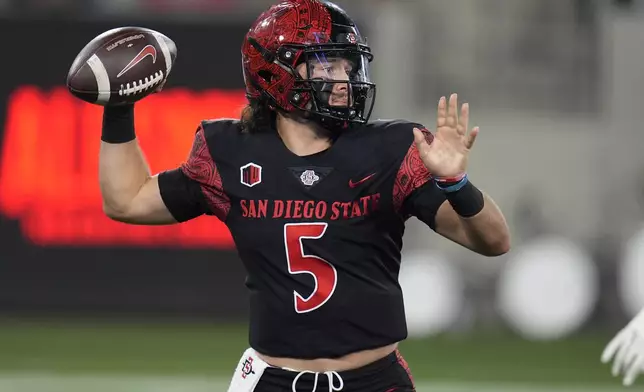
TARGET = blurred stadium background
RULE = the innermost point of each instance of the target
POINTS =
(556, 86)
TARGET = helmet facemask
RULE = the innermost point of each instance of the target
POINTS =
(333, 85)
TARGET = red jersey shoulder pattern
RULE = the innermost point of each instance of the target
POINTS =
(412, 173)
(201, 168)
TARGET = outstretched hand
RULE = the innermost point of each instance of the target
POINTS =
(447, 155)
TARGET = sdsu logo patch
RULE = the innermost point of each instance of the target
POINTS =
(247, 367)
(251, 174)
(309, 177)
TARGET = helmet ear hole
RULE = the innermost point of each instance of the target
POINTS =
(266, 75)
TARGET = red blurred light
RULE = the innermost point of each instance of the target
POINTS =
(49, 165)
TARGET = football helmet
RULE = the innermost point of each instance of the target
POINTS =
(309, 56)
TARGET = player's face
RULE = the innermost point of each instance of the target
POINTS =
(331, 69)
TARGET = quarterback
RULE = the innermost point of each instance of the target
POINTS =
(316, 197)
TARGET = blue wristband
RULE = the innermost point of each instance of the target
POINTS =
(449, 187)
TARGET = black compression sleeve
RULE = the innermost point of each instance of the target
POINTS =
(424, 202)
(467, 201)
(181, 195)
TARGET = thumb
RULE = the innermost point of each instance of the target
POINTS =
(611, 349)
(159, 87)
(419, 137)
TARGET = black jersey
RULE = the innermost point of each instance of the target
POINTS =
(320, 236)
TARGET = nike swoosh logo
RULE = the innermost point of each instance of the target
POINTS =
(355, 184)
(149, 50)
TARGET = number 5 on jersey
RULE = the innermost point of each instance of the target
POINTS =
(324, 274)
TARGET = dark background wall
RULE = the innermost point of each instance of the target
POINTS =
(57, 252)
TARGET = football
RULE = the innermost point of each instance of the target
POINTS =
(122, 66)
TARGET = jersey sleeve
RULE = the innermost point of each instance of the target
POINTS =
(414, 192)
(195, 187)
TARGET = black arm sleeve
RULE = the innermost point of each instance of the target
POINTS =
(182, 196)
(195, 188)
(423, 203)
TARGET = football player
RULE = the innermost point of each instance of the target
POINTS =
(316, 198)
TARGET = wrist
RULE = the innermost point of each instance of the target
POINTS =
(118, 124)
(462, 195)
(451, 184)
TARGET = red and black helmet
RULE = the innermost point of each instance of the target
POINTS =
(320, 35)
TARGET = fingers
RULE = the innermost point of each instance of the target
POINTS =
(448, 114)
(629, 357)
(630, 361)
(611, 348)
(623, 340)
(463, 121)
(633, 371)
(452, 111)
(441, 119)
(160, 87)
(471, 138)
(619, 360)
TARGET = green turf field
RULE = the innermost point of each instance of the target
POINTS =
(142, 357)
(120, 383)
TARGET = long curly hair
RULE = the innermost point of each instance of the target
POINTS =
(258, 116)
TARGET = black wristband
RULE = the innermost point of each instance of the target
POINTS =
(467, 201)
(118, 124)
